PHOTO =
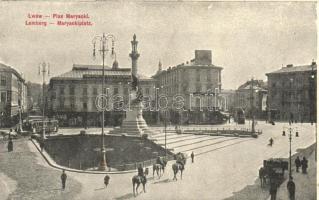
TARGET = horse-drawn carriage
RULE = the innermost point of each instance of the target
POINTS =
(273, 168)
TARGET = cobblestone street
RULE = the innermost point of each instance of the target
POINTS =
(30, 177)
(33, 179)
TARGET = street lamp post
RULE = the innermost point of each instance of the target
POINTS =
(290, 129)
(102, 40)
(44, 69)
(313, 103)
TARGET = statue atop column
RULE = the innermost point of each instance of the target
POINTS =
(136, 94)
(134, 123)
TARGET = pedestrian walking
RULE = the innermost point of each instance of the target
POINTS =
(106, 180)
(271, 142)
(273, 189)
(192, 156)
(10, 145)
(291, 188)
(63, 179)
(41, 145)
(297, 163)
(304, 165)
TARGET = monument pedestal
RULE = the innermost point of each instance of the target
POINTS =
(134, 123)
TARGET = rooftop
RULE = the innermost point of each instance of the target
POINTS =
(4, 67)
(257, 85)
(291, 69)
(82, 71)
(203, 58)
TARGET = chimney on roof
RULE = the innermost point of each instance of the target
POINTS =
(313, 62)
(290, 65)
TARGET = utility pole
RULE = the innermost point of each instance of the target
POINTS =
(252, 105)
(44, 69)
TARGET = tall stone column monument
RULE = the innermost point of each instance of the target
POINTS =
(134, 123)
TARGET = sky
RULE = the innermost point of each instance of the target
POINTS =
(247, 39)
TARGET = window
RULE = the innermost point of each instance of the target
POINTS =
(198, 102)
(94, 91)
(85, 105)
(53, 95)
(115, 91)
(125, 91)
(208, 75)
(62, 103)
(72, 103)
(147, 91)
(3, 81)
(61, 90)
(72, 90)
(185, 87)
(197, 75)
(85, 91)
(3, 97)
(198, 88)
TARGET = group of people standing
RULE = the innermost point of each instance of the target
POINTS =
(290, 184)
(301, 163)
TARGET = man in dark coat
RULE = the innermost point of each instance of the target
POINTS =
(297, 163)
(192, 156)
(10, 145)
(63, 179)
(273, 188)
(304, 165)
(41, 145)
(106, 180)
(140, 171)
(271, 141)
(291, 189)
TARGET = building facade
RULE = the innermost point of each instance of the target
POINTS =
(13, 96)
(251, 97)
(192, 86)
(226, 100)
(292, 93)
(73, 96)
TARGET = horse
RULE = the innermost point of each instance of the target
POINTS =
(262, 176)
(177, 167)
(137, 180)
(158, 169)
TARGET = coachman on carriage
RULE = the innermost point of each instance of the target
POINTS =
(273, 169)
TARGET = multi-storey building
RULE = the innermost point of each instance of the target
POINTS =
(195, 83)
(13, 96)
(73, 95)
(251, 97)
(226, 100)
(292, 92)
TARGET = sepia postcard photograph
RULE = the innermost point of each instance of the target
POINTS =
(158, 100)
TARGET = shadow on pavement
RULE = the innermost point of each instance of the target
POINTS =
(103, 188)
(126, 196)
(163, 181)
